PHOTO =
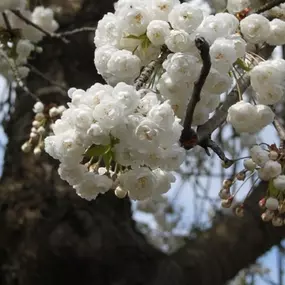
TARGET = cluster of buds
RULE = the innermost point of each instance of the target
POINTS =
(268, 163)
(227, 196)
(273, 210)
(44, 117)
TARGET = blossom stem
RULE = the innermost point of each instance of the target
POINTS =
(29, 22)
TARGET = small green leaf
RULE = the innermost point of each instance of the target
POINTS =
(145, 44)
(243, 65)
(141, 37)
(108, 157)
(96, 150)
(132, 37)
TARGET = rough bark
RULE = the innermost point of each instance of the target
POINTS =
(51, 236)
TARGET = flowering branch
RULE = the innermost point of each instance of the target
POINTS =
(268, 6)
(220, 115)
(16, 74)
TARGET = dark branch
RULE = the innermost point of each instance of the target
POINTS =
(209, 143)
(188, 138)
(45, 32)
(204, 48)
(280, 130)
(268, 6)
(216, 255)
(7, 23)
(221, 114)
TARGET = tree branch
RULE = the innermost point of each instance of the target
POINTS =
(204, 48)
(31, 23)
(232, 244)
(220, 115)
(280, 130)
(268, 6)
(188, 137)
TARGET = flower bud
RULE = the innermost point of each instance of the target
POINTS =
(277, 222)
(36, 124)
(41, 130)
(261, 203)
(26, 147)
(39, 116)
(281, 208)
(267, 216)
(120, 193)
(227, 183)
(53, 112)
(227, 203)
(273, 155)
(38, 107)
(61, 109)
(37, 151)
(224, 194)
(239, 211)
(33, 135)
(249, 164)
(271, 204)
(241, 176)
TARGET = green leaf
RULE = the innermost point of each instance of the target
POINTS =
(243, 65)
(107, 157)
(141, 37)
(132, 37)
(96, 150)
(145, 44)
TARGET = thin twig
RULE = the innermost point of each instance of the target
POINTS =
(7, 23)
(76, 31)
(268, 6)
(148, 70)
(43, 76)
(17, 77)
(280, 130)
(204, 48)
(221, 114)
(209, 143)
(45, 32)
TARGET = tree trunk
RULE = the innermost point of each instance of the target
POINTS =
(51, 236)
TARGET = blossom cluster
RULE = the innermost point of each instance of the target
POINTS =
(133, 35)
(19, 39)
(41, 127)
(268, 81)
(268, 163)
(133, 132)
